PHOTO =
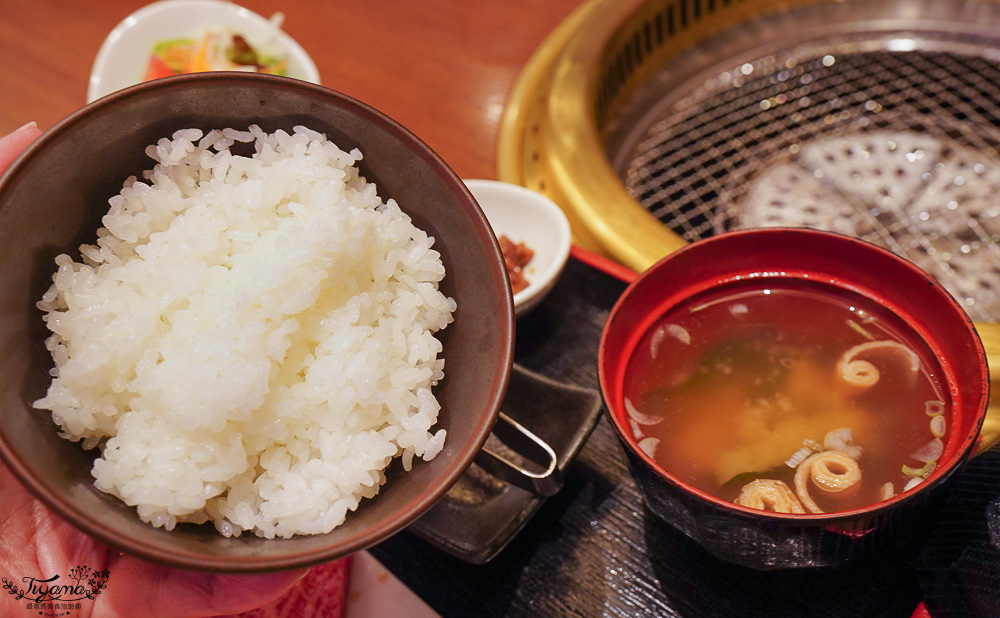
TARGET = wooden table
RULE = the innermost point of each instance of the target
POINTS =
(442, 68)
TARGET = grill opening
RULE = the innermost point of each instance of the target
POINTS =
(893, 137)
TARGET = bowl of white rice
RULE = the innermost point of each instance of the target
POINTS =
(249, 323)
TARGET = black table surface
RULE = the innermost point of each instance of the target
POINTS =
(595, 550)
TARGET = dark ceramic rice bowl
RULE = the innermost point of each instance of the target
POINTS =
(52, 200)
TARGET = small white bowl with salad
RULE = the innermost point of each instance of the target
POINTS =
(173, 37)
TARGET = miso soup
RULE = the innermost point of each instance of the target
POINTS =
(796, 397)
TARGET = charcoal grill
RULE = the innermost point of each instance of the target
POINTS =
(654, 124)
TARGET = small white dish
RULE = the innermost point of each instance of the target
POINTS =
(523, 215)
(123, 57)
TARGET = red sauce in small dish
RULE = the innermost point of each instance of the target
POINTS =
(516, 256)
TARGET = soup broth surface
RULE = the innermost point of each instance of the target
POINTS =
(736, 384)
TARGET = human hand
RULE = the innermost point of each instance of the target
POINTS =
(37, 543)
(13, 144)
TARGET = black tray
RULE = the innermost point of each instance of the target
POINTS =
(482, 513)
(595, 550)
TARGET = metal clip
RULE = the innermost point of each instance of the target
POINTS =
(543, 478)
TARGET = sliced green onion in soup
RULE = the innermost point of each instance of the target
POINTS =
(938, 425)
(924, 471)
(860, 330)
(648, 445)
(798, 457)
(931, 451)
(636, 429)
(842, 440)
(639, 417)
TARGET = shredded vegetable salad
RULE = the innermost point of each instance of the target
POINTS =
(217, 50)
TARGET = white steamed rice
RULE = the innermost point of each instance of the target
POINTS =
(251, 340)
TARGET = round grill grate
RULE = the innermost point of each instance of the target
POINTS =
(893, 139)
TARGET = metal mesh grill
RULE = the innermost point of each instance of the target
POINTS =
(933, 104)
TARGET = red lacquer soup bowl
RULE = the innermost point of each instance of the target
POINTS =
(747, 264)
